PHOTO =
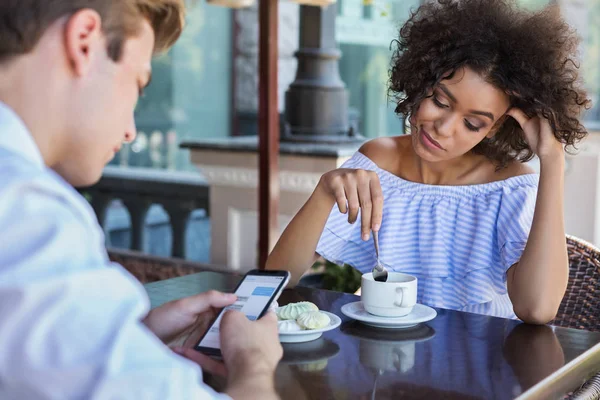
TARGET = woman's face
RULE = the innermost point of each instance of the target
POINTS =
(458, 115)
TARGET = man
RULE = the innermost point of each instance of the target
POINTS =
(72, 325)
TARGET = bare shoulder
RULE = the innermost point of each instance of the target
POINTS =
(517, 168)
(513, 169)
(385, 151)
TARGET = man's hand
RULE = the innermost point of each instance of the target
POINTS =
(250, 347)
(176, 317)
(251, 352)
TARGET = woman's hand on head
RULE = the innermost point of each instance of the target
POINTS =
(538, 134)
(355, 189)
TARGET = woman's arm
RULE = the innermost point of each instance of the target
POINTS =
(351, 189)
(537, 283)
(295, 250)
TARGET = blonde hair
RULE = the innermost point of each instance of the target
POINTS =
(25, 21)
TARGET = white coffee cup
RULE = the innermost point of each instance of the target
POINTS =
(394, 298)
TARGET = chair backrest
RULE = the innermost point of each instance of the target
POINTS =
(580, 308)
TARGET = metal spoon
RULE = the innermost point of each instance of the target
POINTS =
(380, 273)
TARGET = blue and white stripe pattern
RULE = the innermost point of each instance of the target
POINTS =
(458, 240)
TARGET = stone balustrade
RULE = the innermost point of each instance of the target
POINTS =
(179, 193)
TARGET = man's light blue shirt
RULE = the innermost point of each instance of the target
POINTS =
(70, 320)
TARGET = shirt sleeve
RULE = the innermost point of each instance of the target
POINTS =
(514, 223)
(341, 242)
(70, 321)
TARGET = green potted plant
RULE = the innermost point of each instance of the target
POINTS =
(327, 275)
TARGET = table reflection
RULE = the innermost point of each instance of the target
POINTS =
(455, 356)
(533, 352)
(311, 356)
(387, 349)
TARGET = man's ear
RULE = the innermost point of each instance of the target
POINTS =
(83, 39)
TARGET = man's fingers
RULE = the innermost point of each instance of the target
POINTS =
(236, 318)
(206, 363)
(274, 305)
(232, 316)
(204, 301)
(270, 317)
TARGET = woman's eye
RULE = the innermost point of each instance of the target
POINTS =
(471, 127)
(438, 103)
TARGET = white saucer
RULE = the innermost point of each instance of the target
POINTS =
(420, 313)
(310, 334)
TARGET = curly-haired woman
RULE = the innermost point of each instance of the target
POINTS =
(486, 86)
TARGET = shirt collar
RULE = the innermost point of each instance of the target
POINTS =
(16, 138)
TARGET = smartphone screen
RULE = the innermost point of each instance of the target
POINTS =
(254, 295)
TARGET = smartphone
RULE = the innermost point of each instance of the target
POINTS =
(255, 293)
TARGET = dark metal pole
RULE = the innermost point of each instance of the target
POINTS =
(316, 103)
(268, 125)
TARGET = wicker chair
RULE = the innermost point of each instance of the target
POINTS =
(580, 307)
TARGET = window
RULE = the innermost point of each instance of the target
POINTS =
(591, 61)
(190, 94)
(584, 16)
(364, 33)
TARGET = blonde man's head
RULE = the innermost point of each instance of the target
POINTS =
(25, 21)
(73, 70)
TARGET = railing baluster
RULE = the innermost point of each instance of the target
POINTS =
(100, 204)
(178, 192)
(138, 210)
(179, 219)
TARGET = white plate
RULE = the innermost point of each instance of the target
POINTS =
(310, 334)
(420, 313)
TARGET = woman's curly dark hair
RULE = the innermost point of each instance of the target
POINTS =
(531, 56)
